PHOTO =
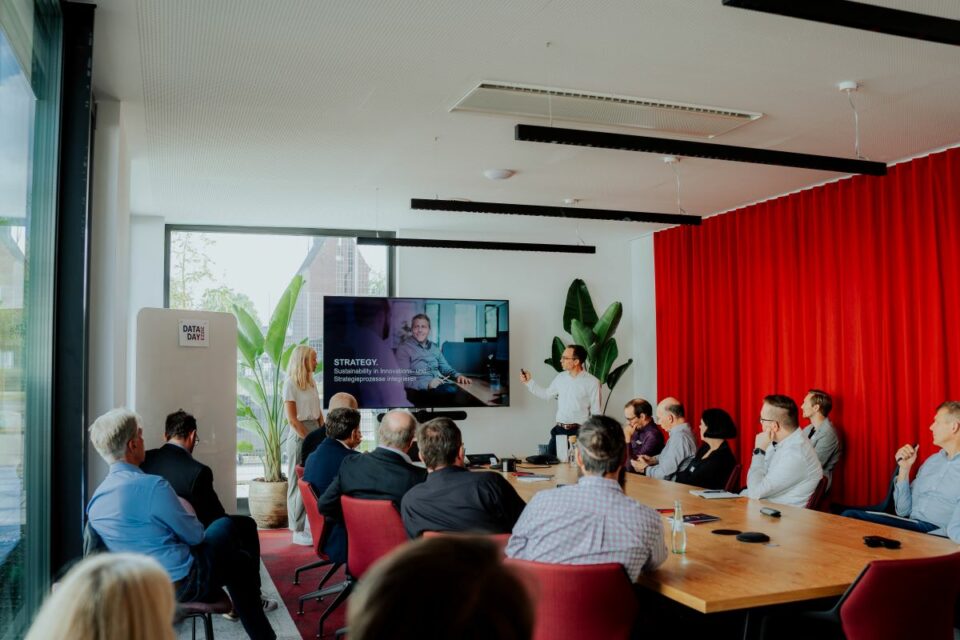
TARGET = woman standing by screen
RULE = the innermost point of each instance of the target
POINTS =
(302, 402)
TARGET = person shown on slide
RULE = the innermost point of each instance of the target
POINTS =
(434, 381)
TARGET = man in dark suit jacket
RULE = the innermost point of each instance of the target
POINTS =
(452, 498)
(193, 481)
(383, 474)
(343, 436)
(315, 437)
(190, 478)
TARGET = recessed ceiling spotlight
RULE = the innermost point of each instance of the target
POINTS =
(498, 174)
(848, 85)
(671, 159)
(570, 201)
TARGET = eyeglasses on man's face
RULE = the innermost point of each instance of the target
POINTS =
(762, 420)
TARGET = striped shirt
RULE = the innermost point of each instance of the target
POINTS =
(592, 522)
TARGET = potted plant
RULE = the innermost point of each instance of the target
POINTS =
(593, 333)
(263, 363)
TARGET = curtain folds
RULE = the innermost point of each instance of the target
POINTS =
(852, 287)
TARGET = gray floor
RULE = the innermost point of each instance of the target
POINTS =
(224, 629)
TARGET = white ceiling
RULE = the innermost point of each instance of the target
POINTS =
(320, 113)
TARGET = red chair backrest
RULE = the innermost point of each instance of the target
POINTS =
(733, 482)
(903, 599)
(299, 470)
(316, 519)
(374, 529)
(817, 495)
(574, 601)
(498, 539)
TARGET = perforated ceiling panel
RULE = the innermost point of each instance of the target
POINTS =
(325, 112)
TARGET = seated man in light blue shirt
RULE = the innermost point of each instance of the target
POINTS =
(140, 513)
(932, 501)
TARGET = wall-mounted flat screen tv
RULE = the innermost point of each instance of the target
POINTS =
(416, 352)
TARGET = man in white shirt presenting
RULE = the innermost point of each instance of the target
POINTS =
(785, 467)
(577, 393)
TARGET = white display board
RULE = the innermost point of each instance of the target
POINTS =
(200, 378)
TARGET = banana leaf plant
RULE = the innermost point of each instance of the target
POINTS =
(262, 372)
(594, 333)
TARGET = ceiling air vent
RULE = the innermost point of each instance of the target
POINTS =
(603, 109)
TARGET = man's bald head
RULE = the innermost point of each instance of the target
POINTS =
(670, 413)
(343, 400)
(397, 430)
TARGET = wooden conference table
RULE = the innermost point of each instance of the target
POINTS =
(810, 554)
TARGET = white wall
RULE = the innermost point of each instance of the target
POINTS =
(109, 272)
(536, 285)
(644, 318)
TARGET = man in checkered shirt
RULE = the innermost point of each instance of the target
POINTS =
(592, 522)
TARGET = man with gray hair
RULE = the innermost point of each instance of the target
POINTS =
(592, 522)
(135, 512)
(386, 473)
(680, 448)
(931, 503)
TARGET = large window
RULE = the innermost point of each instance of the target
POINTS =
(29, 99)
(212, 268)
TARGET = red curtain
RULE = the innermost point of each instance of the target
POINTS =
(852, 287)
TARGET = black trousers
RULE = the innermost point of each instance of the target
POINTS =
(559, 431)
(225, 559)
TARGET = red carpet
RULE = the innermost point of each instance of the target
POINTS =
(281, 557)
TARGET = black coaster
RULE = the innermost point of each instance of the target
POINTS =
(753, 536)
(726, 532)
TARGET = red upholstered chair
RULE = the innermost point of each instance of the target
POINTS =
(814, 501)
(374, 529)
(299, 470)
(317, 525)
(605, 603)
(733, 482)
(889, 600)
(499, 539)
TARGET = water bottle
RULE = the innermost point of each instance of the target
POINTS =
(572, 450)
(679, 533)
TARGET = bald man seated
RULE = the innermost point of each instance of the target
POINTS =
(680, 448)
(314, 438)
(386, 473)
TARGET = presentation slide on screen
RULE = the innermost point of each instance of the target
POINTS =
(416, 352)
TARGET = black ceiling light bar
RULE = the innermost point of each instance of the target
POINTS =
(474, 244)
(686, 148)
(858, 15)
(556, 212)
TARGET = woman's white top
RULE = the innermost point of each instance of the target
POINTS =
(307, 400)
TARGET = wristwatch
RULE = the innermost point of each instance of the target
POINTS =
(759, 452)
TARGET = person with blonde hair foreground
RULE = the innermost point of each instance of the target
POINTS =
(109, 596)
(468, 594)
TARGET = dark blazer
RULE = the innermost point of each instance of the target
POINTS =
(454, 499)
(710, 473)
(310, 444)
(321, 468)
(378, 475)
(191, 479)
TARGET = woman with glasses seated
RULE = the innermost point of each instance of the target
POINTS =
(714, 461)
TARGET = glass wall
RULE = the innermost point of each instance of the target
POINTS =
(29, 114)
(213, 269)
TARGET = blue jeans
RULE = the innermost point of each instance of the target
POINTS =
(920, 525)
(225, 559)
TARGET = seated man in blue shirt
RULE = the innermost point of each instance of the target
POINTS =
(433, 381)
(932, 502)
(140, 513)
